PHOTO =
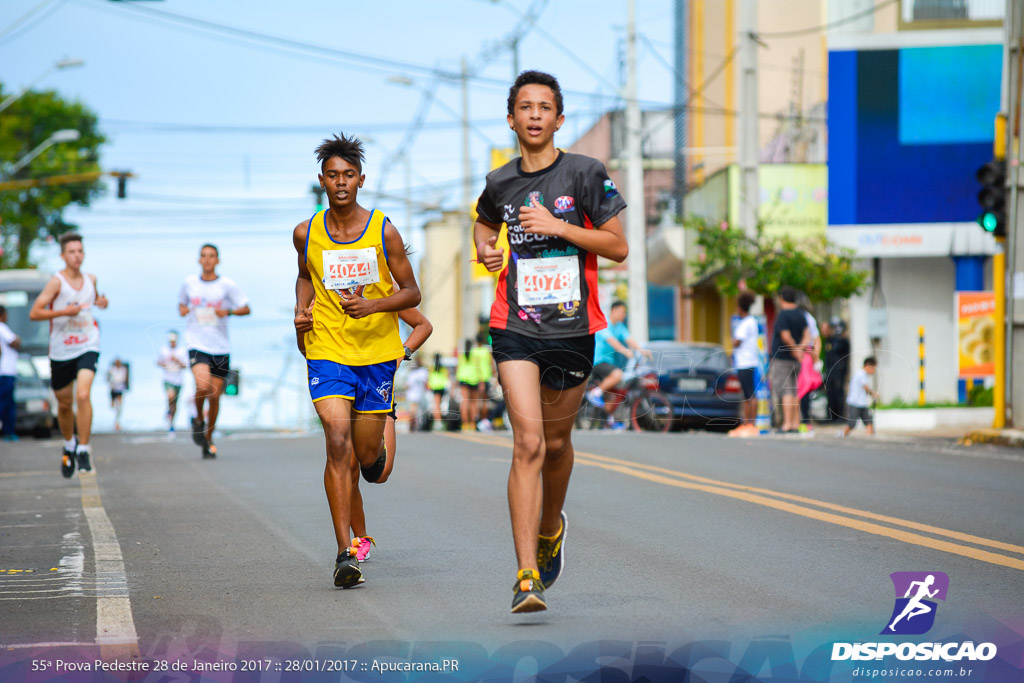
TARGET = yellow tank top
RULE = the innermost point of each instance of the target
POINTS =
(336, 336)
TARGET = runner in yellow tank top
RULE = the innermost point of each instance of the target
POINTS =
(346, 324)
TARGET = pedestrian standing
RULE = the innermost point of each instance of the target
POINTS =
(836, 356)
(437, 382)
(561, 211)
(860, 398)
(9, 345)
(68, 301)
(117, 378)
(467, 373)
(746, 360)
(416, 393)
(790, 340)
(813, 350)
(481, 354)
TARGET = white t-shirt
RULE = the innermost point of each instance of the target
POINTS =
(747, 354)
(8, 354)
(416, 386)
(117, 377)
(858, 396)
(173, 361)
(812, 325)
(204, 330)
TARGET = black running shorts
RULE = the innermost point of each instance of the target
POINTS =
(218, 364)
(564, 363)
(64, 372)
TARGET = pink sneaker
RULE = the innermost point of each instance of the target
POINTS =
(364, 547)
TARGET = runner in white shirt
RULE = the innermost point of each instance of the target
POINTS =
(206, 301)
(117, 378)
(68, 301)
(173, 359)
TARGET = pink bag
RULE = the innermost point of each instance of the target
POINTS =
(809, 378)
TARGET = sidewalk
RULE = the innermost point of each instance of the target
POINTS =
(997, 437)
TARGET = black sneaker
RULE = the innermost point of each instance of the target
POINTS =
(198, 431)
(84, 461)
(67, 463)
(209, 450)
(551, 554)
(529, 595)
(346, 569)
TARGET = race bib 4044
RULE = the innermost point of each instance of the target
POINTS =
(350, 268)
(553, 280)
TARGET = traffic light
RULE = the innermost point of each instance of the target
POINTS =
(318, 192)
(232, 383)
(992, 197)
(122, 182)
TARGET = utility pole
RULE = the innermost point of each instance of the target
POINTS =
(680, 93)
(468, 315)
(636, 218)
(515, 75)
(1014, 246)
(748, 119)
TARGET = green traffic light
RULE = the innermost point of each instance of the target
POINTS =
(989, 221)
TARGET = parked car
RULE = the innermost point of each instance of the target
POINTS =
(34, 400)
(18, 290)
(700, 382)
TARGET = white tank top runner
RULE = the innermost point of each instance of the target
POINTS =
(70, 337)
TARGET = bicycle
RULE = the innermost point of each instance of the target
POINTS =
(637, 401)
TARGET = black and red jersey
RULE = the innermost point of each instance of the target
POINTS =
(576, 189)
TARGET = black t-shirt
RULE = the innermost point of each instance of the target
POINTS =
(576, 189)
(791, 319)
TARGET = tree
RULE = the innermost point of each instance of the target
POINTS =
(30, 214)
(765, 263)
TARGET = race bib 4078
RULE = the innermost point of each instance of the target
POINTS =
(553, 280)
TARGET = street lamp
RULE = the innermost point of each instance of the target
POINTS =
(62, 64)
(63, 135)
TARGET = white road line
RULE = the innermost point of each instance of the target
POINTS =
(29, 646)
(114, 623)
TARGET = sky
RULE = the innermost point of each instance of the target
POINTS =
(216, 108)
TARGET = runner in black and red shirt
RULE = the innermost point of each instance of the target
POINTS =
(561, 211)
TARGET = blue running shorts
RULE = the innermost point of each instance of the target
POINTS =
(369, 387)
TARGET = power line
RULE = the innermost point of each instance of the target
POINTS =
(557, 44)
(825, 27)
(664, 62)
(373, 62)
(126, 126)
(316, 52)
(5, 34)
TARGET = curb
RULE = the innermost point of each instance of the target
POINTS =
(1013, 438)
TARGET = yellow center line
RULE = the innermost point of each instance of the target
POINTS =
(25, 474)
(778, 502)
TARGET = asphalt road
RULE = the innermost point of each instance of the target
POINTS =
(682, 538)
